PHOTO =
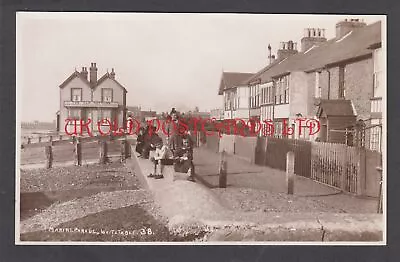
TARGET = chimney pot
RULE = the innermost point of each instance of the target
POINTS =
(112, 74)
(93, 75)
(315, 36)
(344, 27)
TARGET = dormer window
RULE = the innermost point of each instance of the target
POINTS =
(106, 95)
(76, 94)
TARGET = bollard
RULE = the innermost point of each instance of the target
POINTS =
(380, 202)
(103, 152)
(222, 170)
(78, 152)
(123, 150)
(49, 156)
(127, 149)
(290, 172)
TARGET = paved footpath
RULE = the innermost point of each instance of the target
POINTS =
(242, 174)
(192, 208)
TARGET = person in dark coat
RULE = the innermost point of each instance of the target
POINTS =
(140, 141)
(183, 155)
(151, 139)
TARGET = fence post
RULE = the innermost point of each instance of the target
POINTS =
(49, 156)
(380, 202)
(361, 171)
(290, 172)
(343, 184)
(103, 152)
(127, 148)
(78, 151)
(222, 170)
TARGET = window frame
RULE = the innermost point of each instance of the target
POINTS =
(342, 84)
(72, 93)
(102, 94)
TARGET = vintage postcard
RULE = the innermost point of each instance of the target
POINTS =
(174, 128)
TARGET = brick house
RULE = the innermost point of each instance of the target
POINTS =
(347, 67)
(95, 99)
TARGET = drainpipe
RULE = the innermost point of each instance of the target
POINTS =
(329, 81)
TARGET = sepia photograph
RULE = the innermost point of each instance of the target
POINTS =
(200, 129)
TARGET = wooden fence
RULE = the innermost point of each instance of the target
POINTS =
(48, 143)
(277, 149)
(350, 169)
(336, 165)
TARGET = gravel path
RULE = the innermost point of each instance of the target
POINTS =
(247, 199)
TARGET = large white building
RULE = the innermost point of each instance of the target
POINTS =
(235, 94)
(84, 97)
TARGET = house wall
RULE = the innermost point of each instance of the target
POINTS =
(65, 95)
(230, 114)
(359, 86)
(358, 81)
(243, 94)
(281, 111)
(299, 94)
(242, 113)
(333, 83)
(118, 92)
(118, 97)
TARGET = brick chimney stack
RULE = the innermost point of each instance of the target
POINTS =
(287, 49)
(84, 73)
(112, 74)
(93, 74)
(347, 25)
(312, 36)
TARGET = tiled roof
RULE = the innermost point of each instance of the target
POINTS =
(337, 107)
(232, 79)
(355, 45)
(72, 76)
(107, 76)
(262, 71)
(101, 79)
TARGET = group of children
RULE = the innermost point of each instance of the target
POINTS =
(177, 150)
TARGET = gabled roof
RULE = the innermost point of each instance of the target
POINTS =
(108, 76)
(73, 76)
(336, 107)
(354, 45)
(257, 75)
(232, 79)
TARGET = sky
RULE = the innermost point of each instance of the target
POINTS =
(163, 60)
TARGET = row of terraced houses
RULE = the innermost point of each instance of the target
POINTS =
(337, 81)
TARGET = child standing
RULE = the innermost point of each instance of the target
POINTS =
(159, 160)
